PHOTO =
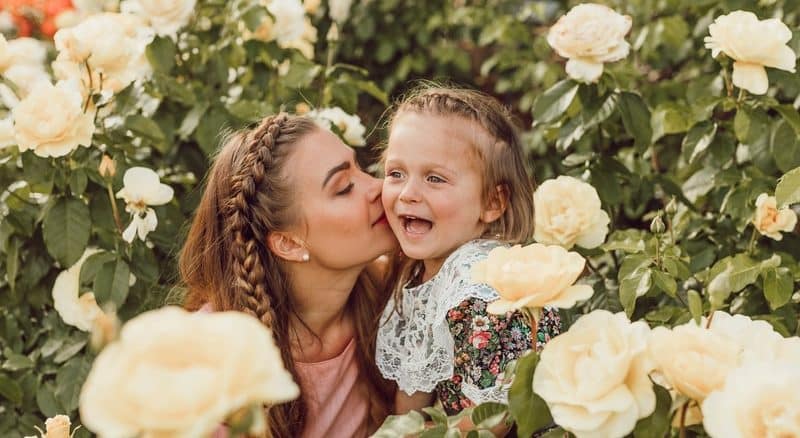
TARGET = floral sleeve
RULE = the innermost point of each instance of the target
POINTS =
(484, 344)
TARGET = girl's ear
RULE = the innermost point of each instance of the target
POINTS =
(496, 204)
(287, 247)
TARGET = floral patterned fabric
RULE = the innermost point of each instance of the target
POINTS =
(484, 345)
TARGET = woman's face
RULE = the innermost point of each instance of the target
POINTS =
(342, 221)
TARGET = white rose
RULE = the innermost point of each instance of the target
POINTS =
(288, 25)
(165, 16)
(339, 10)
(349, 126)
(568, 212)
(760, 399)
(24, 77)
(590, 35)
(142, 188)
(753, 44)
(693, 360)
(112, 44)
(757, 340)
(57, 427)
(22, 51)
(769, 221)
(79, 311)
(594, 378)
(175, 373)
(532, 276)
(51, 121)
(7, 133)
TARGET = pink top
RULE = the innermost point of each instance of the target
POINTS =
(338, 402)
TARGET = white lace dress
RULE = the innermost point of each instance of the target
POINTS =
(444, 339)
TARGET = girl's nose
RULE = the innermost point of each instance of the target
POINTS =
(409, 193)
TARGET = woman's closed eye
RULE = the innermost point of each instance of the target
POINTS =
(345, 190)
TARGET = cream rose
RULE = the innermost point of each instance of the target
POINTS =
(760, 399)
(55, 427)
(532, 276)
(693, 360)
(112, 44)
(22, 51)
(142, 188)
(769, 221)
(51, 121)
(349, 126)
(288, 25)
(75, 309)
(568, 212)
(339, 10)
(176, 373)
(752, 44)
(594, 378)
(7, 133)
(590, 35)
(166, 17)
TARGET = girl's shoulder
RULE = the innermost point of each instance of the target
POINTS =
(459, 263)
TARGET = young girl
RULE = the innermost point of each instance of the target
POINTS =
(455, 187)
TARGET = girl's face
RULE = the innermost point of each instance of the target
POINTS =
(433, 184)
(342, 220)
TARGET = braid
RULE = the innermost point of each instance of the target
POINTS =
(247, 264)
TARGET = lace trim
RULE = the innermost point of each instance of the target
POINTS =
(416, 350)
(497, 394)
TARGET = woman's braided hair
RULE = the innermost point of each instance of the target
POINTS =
(226, 262)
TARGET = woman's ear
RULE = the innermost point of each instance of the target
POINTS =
(496, 204)
(287, 247)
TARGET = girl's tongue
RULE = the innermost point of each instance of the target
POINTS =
(417, 226)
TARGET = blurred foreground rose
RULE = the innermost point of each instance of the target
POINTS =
(173, 373)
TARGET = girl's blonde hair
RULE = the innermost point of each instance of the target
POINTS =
(500, 152)
(226, 262)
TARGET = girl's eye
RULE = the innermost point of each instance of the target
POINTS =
(346, 190)
(394, 174)
(435, 179)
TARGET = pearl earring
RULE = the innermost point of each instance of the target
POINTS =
(306, 257)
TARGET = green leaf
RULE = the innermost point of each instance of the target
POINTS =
(16, 361)
(698, 139)
(695, 305)
(401, 425)
(66, 230)
(69, 381)
(665, 282)
(778, 287)
(145, 127)
(373, 90)
(488, 415)
(785, 147)
(669, 118)
(636, 118)
(10, 389)
(77, 182)
(437, 415)
(46, 400)
(528, 409)
(439, 431)
(630, 241)
(791, 116)
(111, 283)
(729, 275)
(788, 190)
(161, 54)
(12, 263)
(70, 350)
(210, 128)
(551, 104)
(92, 265)
(656, 424)
(635, 279)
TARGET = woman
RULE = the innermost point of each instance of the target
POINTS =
(284, 231)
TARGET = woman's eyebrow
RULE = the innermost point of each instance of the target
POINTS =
(344, 166)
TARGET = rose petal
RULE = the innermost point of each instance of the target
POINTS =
(751, 77)
(583, 70)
